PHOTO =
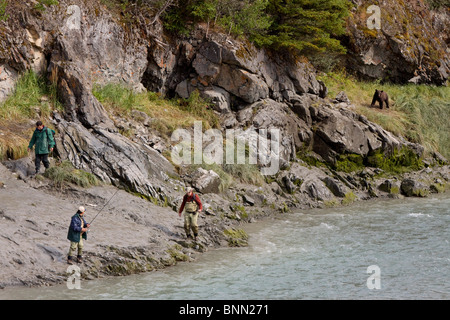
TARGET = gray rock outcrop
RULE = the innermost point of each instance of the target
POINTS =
(206, 181)
(414, 188)
(411, 44)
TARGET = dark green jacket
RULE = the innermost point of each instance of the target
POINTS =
(75, 228)
(43, 139)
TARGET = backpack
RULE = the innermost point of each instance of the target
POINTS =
(191, 206)
(53, 131)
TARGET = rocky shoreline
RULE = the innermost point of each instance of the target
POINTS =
(133, 235)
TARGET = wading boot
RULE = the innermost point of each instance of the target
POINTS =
(79, 259)
(70, 260)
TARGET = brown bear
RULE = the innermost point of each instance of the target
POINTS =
(381, 97)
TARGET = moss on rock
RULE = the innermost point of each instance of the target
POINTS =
(236, 237)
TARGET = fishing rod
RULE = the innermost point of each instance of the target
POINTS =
(106, 202)
(104, 206)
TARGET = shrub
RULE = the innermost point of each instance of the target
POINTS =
(65, 173)
(349, 162)
(308, 27)
(167, 115)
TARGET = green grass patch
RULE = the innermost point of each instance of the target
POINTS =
(65, 173)
(240, 209)
(399, 162)
(246, 173)
(417, 112)
(438, 187)
(33, 93)
(33, 98)
(349, 162)
(176, 253)
(349, 198)
(236, 237)
(331, 203)
(166, 115)
(41, 5)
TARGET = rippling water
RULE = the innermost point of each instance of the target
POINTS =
(316, 254)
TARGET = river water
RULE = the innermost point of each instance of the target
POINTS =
(395, 249)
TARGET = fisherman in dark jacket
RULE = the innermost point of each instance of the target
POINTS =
(77, 232)
(44, 143)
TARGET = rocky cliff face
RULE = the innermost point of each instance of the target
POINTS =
(409, 43)
(80, 43)
(77, 44)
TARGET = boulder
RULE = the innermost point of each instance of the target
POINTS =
(339, 134)
(247, 86)
(303, 77)
(414, 188)
(275, 187)
(389, 186)
(206, 181)
(299, 178)
(317, 190)
(219, 98)
(289, 184)
(248, 200)
(207, 70)
(184, 89)
(8, 78)
(275, 115)
(335, 186)
(212, 51)
(342, 97)
(24, 167)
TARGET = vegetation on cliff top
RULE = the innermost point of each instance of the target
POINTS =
(166, 114)
(301, 26)
(419, 113)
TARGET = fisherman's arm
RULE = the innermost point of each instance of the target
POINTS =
(182, 206)
(32, 141)
(51, 140)
(200, 206)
